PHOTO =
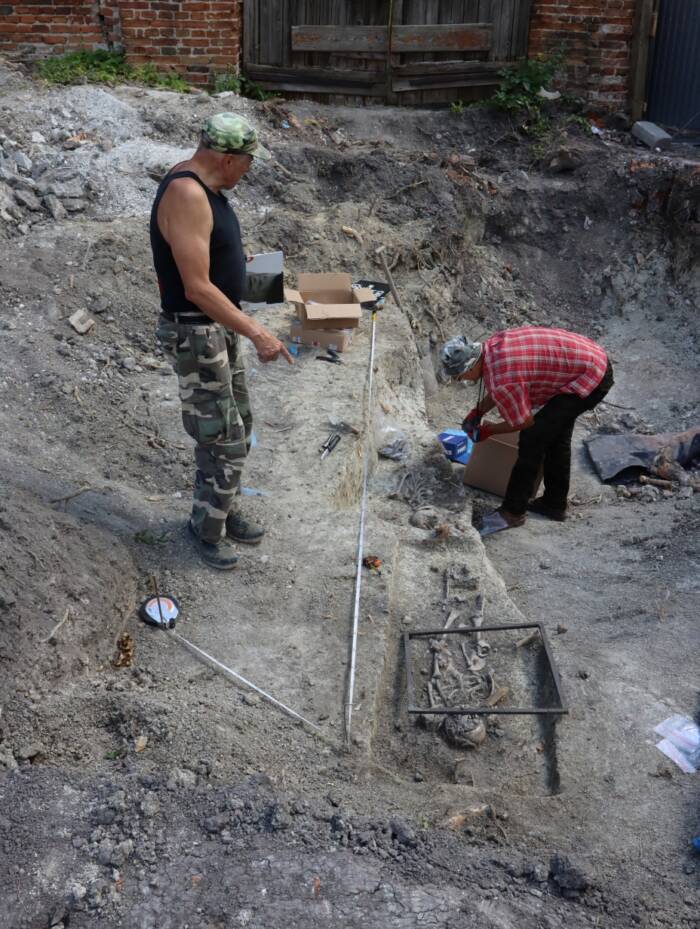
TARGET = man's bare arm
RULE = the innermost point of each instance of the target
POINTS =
(185, 220)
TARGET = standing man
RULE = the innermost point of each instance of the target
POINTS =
(563, 374)
(199, 260)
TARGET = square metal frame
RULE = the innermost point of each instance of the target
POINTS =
(559, 710)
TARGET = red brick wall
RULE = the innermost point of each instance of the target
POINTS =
(198, 38)
(29, 29)
(595, 36)
(195, 37)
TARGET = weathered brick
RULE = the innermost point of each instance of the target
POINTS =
(594, 35)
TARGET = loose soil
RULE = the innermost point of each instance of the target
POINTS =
(138, 786)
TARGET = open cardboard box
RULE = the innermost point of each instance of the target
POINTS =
(337, 339)
(328, 301)
(491, 462)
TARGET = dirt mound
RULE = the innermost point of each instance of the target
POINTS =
(67, 589)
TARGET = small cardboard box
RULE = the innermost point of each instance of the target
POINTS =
(328, 301)
(491, 462)
(337, 339)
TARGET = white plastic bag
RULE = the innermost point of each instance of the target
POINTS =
(391, 441)
(681, 742)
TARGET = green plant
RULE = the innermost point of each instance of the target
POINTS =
(520, 85)
(239, 84)
(457, 107)
(103, 67)
(149, 75)
(576, 120)
(226, 82)
(147, 537)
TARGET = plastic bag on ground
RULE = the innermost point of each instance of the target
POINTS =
(681, 742)
(391, 442)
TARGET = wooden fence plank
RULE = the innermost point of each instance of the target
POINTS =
(300, 87)
(460, 37)
(640, 57)
(250, 18)
(317, 76)
(395, 15)
(521, 30)
(476, 80)
(485, 74)
(423, 68)
(339, 38)
(503, 15)
(433, 38)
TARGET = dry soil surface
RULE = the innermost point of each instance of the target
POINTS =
(141, 788)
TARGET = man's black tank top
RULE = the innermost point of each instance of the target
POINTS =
(226, 257)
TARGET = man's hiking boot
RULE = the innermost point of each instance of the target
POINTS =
(542, 508)
(240, 530)
(221, 555)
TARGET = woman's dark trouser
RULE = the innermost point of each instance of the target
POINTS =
(547, 445)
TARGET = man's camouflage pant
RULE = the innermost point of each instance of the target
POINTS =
(215, 413)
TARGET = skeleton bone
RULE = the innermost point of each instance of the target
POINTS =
(477, 618)
(454, 615)
(438, 647)
(464, 731)
(441, 693)
(473, 660)
(431, 696)
(431, 721)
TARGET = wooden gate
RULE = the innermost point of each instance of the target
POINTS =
(400, 51)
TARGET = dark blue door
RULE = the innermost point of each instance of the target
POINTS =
(674, 86)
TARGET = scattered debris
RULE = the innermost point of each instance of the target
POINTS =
(29, 752)
(651, 135)
(81, 321)
(681, 742)
(457, 821)
(352, 233)
(565, 161)
(125, 651)
(51, 637)
(148, 537)
(64, 500)
(566, 875)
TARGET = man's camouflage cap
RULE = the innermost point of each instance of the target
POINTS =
(232, 135)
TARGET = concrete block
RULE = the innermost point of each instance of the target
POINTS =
(651, 134)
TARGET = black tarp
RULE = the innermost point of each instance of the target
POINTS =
(614, 454)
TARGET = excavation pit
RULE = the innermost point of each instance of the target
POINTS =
(546, 683)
